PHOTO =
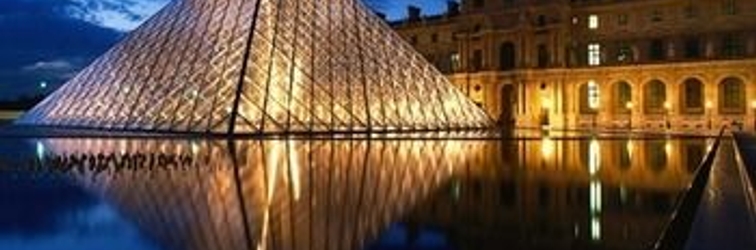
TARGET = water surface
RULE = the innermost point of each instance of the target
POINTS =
(548, 193)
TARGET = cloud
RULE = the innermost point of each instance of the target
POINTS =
(39, 38)
(59, 69)
(57, 65)
(121, 15)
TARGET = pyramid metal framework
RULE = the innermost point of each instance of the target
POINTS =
(260, 67)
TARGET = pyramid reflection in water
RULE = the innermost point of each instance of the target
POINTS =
(257, 67)
(271, 194)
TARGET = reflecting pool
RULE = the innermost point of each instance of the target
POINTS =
(542, 193)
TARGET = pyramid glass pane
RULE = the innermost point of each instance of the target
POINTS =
(260, 67)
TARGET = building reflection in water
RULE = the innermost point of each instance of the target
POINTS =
(351, 194)
(562, 194)
(273, 194)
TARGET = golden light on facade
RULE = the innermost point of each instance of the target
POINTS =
(668, 148)
(753, 104)
(294, 169)
(667, 106)
(629, 105)
(547, 148)
(546, 103)
(709, 105)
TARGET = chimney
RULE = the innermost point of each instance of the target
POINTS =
(413, 13)
(452, 8)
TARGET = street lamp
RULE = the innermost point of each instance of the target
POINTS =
(629, 107)
(667, 107)
(709, 105)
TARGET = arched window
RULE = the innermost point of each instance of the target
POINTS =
(692, 96)
(622, 97)
(589, 97)
(732, 96)
(507, 56)
(654, 97)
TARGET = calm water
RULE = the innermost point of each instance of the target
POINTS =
(340, 194)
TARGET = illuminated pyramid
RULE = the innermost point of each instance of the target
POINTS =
(260, 67)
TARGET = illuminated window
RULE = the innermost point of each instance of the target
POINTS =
(593, 22)
(455, 61)
(593, 95)
(594, 54)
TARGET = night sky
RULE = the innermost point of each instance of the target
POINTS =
(50, 40)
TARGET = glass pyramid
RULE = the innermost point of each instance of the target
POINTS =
(260, 67)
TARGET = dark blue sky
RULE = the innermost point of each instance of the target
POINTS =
(50, 40)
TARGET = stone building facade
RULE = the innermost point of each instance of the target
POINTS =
(680, 64)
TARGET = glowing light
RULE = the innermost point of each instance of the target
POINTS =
(43, 85)
(40, 151)
(195, 148)
(629, 105)
(753, 104)
(576, 230)
(667, 106)
(593, 95)
(594, 157)
(593, 22)
(630, 147)
(709, 105)
(594, 54)
(668, 148)
(546, 103)
(272, 166)
(294, 170)
(595, 209)
(596, 228)
(595, 197)
(547, 148)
